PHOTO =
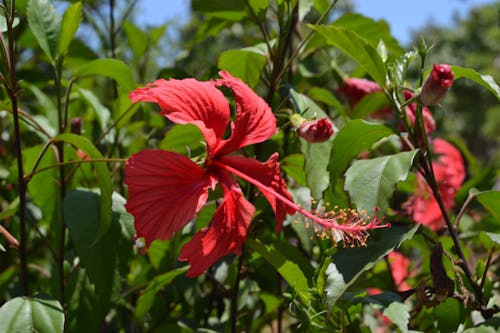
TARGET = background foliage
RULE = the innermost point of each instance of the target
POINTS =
(67, 68)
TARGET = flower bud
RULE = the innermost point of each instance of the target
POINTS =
(436, 85)
(76, 125)
(316, 130)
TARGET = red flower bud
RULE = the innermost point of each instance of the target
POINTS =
(76, 125)
(316, 130)
(436, 84)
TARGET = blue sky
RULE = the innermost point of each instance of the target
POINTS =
(402, 15)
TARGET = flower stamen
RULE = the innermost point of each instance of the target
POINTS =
(346, 225)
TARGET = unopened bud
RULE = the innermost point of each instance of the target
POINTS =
(76, 125)
(316, 130)
(436, 85)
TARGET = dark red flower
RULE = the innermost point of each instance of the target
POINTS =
(449, 172)
(355, 89)
(167, 189)
(316, 130)
(436, 85)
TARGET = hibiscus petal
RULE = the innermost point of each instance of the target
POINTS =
(189, 101)
(255, 121)
(225, 233)
(268, 174)
(165, 191)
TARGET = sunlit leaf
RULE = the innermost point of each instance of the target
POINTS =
(399, 314)
(39, 313)
(491, 201)
(486, 81)
(259, 7)
(356, 47)
(70, 23)
(372, 30)
(246, 65)
(3, 23)
(372, 182)
(335, 284)
(137, 39)
(45, 23)
(184, 139)
(356, 136)
(112, 68)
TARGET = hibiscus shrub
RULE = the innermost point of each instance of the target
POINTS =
(295, 182)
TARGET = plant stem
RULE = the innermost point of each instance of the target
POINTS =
(58, 165)
(12, 90)
(429, 176)
(62, 118)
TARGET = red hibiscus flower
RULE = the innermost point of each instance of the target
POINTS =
(167, 189)
(355, 89)
(399, 269)
(449, 172)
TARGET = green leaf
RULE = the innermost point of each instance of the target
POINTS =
(335, 284)
(44, 187)
(106, 260)
(373, 31)
(70, 23)
(316, 155)
(137, 39)
(45, 23)
(486, 81)
(351, 263)
(293, 165)
(356, 47)
(146, 299)
(325, 96)
(488, 239)
(46, 104)
(369, 104)
(289, 270)
(244, 64)
(184, 139)
(356, 136)
(399, 314)
(103, 178)
(449, 315)
(3, 23)
(40, 313)
(371, 183)
(259, 7)
(103, 114)
(491, 201)
(111, 68)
